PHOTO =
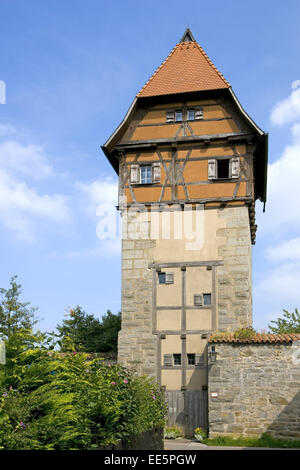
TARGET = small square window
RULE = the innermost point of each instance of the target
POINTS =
(146, 174)
(191, 114)
(178, 115)
(191, 359)
(206, 299)
(177, 359)
(161, 278)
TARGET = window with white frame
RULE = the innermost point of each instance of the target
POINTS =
(223, 168)
(194, 114)
(145, 174)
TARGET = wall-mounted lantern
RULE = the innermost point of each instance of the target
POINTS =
(212, 354)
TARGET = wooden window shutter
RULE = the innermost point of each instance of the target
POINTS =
(135, 174)
(199, 360)
(170, 116)
(169, 278)
(156, 172)
(212, 169)
(198, 300)
(234, 167)
(198, 113)
(168, 360)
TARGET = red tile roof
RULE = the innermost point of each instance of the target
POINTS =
(258, 338)
(186, 69)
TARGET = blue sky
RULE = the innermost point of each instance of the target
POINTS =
(71, 70)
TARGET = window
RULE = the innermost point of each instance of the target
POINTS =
(191, 114)
(195, 359)
(194, 114)
(170, 116)
(198, 113)
(172, 360)
(223, 169)
(198, 300)
(177, 359)
(178, 115)
(191, 359)
(146, 174)
(168, 360)
(166, 278)
(207, 299)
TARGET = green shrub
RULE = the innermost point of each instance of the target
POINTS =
(172, 432)
(245, 333)
(51, 400)
(200, 434)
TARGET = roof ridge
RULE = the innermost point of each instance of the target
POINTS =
(158, 68)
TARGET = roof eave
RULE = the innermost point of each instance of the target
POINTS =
(264, 137)
(123, 122)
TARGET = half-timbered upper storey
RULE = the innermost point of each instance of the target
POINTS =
(186, 138)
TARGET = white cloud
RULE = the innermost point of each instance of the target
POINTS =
(105, 248)
(287, 110)
(96, 193)
(280, 285)
(296, 132)
(21, 204)
(29, 160)
(295, 84)
(17, 195)
(285, 250)
(282, 212)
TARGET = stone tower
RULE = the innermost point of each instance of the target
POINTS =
(191, 164)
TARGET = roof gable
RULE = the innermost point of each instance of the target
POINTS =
(186, 69)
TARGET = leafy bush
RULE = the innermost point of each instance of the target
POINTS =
(51, 400)
(172, 432)
(200, 434)
(245, 333)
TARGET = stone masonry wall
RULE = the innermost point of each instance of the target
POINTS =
(234, 280)
(258, 387)
(137, 346)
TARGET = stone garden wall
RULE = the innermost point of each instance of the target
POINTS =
(255, 388)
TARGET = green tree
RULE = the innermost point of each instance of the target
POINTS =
(110, 326)
(87, 333)
(289, 323)
(14, 314)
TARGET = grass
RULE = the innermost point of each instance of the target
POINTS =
(264, 441)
